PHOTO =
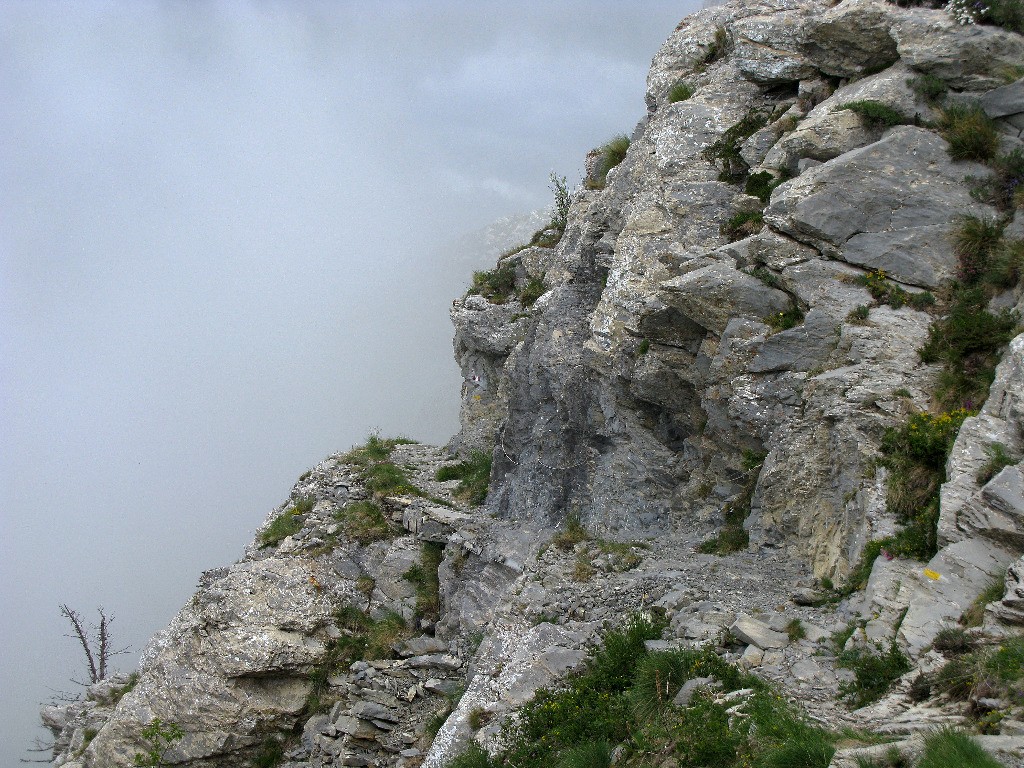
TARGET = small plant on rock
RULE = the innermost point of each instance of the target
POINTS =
(743, 224)
(158, 737)
(473, 474)
(929, 87)
(679, 92)
(949, 748)
(998, 459)
(876, 114)
(972, 135)
(612, 153)
(874, 672)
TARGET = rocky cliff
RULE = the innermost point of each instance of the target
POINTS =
(701, 395)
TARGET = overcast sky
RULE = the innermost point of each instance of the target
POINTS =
(225, 253)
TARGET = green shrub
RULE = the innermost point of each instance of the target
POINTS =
(998, 459)
(949, 748)
(560, 214)
(643, 348)
(496, 285)
(874, 670)
(972, 135)
(875, 114)
(158, 737)
(974, 242)
(612, 152)
(473, 474)
(679, 92)
(364, 522)
(743, 224)
(929, 87)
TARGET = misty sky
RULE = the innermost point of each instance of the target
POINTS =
(225, 253)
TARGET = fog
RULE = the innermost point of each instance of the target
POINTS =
(227, 249)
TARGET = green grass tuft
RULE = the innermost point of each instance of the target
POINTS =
(929, 87)
(612, 152)
(679, 92)
(975, 241)
(495, 285)
(874, 670)
(473, 474)
(742, 224)
(423, 577)
(972, 135)
(875, 114)
(949, 748)
(364, 522)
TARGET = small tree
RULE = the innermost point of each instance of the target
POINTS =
(560, 217)
(97, 645)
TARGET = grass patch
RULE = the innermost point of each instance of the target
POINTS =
(571, 534)
(874, 670)
(423, 577)
(795, 630)
(975, 241)
(998, 459)
(270, 755)
(679, 92)
(742, 224)
(930, 88)
(876, 115)
(612, 152)
(288, 523)
(623, 696)
(767, 277)
(972, 135)
(473, 474)
(364, 522)
(949, 748)
(953, 641)
(380, 475)
(717, 48)
(859, 315)
(532, 291)
(1005, 187)
(975, 615)
(991, 672)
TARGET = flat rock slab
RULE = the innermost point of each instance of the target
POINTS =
(947, 586)
(884, 206)
(712, 295)
(754, 632)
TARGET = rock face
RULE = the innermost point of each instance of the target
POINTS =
(715, 337)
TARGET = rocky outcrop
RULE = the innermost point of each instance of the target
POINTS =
(719, 339)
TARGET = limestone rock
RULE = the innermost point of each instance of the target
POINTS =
(852, 38)
(711, 295)
(750, 630)
(885, 206)
(967, 57)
